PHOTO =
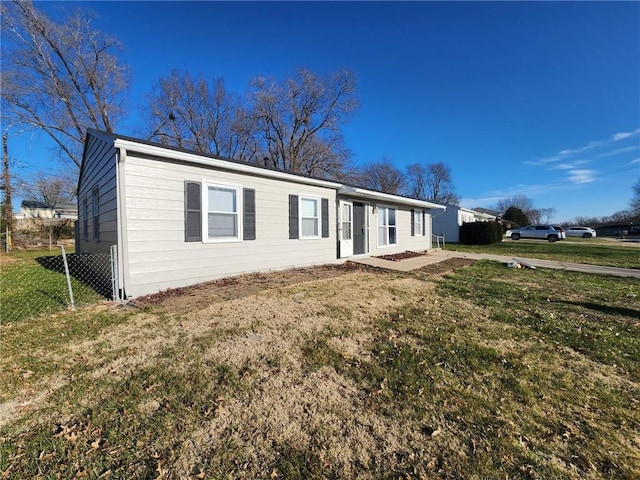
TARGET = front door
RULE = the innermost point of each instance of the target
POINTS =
(359, 228)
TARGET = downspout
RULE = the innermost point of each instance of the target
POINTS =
(123, 254)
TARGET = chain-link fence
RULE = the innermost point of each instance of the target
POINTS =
(37, 282)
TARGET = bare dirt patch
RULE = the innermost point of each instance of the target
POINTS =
(397, 257)
(197, 297)
(182, 300)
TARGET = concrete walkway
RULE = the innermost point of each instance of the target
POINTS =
(441, 255)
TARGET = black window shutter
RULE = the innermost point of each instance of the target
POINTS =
(249, 214)
(324, 214)
(413, 222)
(192, 215)
(424, 222)
(293, 216)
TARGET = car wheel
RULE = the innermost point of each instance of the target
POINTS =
(515, 236)
(553, 238)
(586, 235)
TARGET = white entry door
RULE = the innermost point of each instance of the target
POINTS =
(346, 229)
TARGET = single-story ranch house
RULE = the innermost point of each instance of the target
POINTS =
(180, 217)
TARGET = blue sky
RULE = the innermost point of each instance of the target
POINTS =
(533, 98)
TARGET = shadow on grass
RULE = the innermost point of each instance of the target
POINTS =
(606, 309)
(93, 271)
(54, 296)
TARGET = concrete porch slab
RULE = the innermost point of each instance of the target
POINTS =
(403, 265)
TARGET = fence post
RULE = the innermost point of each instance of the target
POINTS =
(115, 292)
(66, 271)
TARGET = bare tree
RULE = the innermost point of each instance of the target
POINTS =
(191, 113)
(299, 119)
(417, 180)
(54, 190)
(522, 202)
(438, 185)
(635, 200)
(545, 214)
(383, 176)
(59, 77)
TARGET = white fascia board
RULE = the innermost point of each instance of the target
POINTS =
(387, 197)
(218, 163)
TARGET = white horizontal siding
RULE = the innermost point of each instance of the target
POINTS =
(158, 256)
(404, 240)
(448, 224)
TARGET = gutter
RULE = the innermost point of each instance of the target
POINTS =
(371, 194)
(155, 151)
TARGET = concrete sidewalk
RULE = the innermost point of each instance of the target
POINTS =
(439, 256)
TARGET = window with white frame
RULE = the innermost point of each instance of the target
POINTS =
(418, 225)
(387, 230)
(309, 217)
(222, 220)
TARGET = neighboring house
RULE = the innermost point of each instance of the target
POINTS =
(449, 222)
(35, 209)
(180, 217)
(494, 214)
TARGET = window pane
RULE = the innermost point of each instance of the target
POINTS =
(392, 235)
(222, 199)
(309, 207)
(392, 216)
(346, 230)
(382, 236)
(309, 227)
(223, 225)
(346, 213)
(382, 217)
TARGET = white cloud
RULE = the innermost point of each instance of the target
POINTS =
(623, 135)
(492, 197)
(619, 151)
(569, 152)
(589, 146)
(570, 165)
(582, 176)
(635, 162)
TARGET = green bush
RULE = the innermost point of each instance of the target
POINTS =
(480, 233)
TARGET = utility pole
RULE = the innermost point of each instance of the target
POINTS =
(8, 209)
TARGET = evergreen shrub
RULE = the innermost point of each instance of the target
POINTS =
(480, 233)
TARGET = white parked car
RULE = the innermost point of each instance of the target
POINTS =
(544, 232)
(584, 232)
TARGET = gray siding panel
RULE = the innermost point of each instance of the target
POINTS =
(98, 171)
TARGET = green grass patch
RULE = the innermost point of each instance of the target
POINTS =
(574, 251)
(33, 283)
(594, 315)
(38, 347)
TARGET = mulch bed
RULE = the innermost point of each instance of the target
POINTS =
(396, 257)
(185, 299)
